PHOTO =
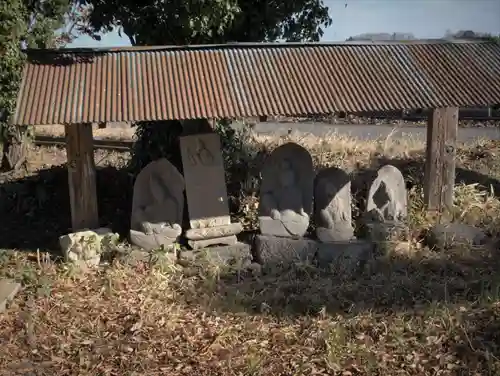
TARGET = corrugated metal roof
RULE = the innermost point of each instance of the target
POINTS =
(240, 80)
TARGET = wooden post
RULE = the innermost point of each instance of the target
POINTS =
(440, 157)
(81, 176)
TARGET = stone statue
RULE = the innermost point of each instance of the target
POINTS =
(157, 206)
(387, 204)
(332, 204)
(286, 192)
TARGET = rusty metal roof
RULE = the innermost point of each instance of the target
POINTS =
(242, 80)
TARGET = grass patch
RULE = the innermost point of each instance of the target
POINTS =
(411, 311)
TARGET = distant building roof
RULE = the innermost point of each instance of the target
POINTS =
(240, 80)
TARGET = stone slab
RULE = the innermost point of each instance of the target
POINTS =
(204, 243)
(344, 256)
(275, 250)
(231, 255)
(443, 236)
(214, 232)
(8, 290)
(205, 180)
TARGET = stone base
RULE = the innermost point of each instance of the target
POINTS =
(8, 290)
(274, 227)
(387, 231)
(214, 232)
(338, 233)
(277, 250)
(205, 243)
(151, 242)
(237, 254)
(445, 236)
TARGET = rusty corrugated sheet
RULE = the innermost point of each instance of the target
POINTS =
(250, 80)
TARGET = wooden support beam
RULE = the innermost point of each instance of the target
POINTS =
(81, 176)
(440, 156)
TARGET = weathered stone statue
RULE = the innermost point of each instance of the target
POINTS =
(157, 206)
(286, 192)
(332, 204)
(206, 191)
(387, 203)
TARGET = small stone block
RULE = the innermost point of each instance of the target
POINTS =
(344, 256)
(387, 231)
(8, 290)
(443, 236)
(238, 254)
(226, 240)
(280, 250)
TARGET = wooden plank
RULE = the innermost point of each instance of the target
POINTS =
(440, 156)
(81, 176)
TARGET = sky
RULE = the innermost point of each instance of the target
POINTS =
(423, 18)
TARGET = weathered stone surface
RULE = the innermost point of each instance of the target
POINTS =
(286, 192)
(238, 255)
(344, 256)
(388, 231)
(205, 180)
(157, 206)
(86, 247)
(387, 197)
(281, 250)
(387, 206)
(445, 236)
(82, 247)
(332, 205)
(8, 290)
(214, 232)
(204, 243)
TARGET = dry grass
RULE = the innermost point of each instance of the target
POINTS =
(104, 133)
(411, 311)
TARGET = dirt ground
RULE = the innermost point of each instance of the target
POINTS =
(410, 311)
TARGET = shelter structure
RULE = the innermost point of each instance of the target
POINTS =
(77, 87)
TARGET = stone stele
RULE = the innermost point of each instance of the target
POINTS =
(157, 206)
(332, 205)
(206, 192)
(286, 193)
(387, 203)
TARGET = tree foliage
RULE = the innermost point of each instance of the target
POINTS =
(24, 23)
(176, 22)
(153, 22)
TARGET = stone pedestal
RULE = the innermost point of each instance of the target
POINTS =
(236, 255)
(270, 250)
(387, 231)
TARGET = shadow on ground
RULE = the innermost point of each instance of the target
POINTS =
(35, 210)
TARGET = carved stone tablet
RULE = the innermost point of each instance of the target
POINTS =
(286, 192)
(205, 180)
(157, 205)
(332, 205)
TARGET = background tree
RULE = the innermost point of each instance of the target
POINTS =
(33, 24)
(209, 21)
(183, 22)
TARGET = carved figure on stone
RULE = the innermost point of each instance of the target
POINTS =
(157, 206)
(286, 192)
(387, 198)
(387, 204)
(332, 203)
